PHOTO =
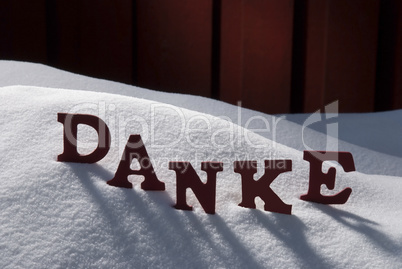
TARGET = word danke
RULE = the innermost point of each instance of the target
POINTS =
(186, 176)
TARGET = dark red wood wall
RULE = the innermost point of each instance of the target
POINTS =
(275, 56)
(341, 52)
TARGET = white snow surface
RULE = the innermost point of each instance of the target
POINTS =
(366, 134)
(64, 215)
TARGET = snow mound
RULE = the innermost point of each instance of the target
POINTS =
(56, 214)
(372, 138)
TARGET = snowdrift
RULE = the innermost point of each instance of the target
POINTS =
(372, 138)
(56, 214)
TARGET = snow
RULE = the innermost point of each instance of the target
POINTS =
(360, 134)
(64, 215)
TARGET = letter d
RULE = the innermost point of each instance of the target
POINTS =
(70, 122)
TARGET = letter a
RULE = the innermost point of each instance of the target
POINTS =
(186, 177)
(135, 149)
(317, 177)
(70, 122)
(252, 188)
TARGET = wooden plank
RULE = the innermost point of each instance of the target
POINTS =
(174, 45)
(256, 60)
(5, 30)
(341, 54)
(94, 38)
(267, 55)
(352, 53)
(298, 56)
(397, 84)
(64, 39)
(316, 49)
(387, 58)
(107, 38)
(23, 31)
(231, 52)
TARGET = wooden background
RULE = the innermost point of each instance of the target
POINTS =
(275, 56)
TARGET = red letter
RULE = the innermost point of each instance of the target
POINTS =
(70, 122)
(186, 177)
(252, 188)
(317, 177)
(135, 149)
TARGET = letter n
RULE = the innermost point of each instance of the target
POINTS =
(135, 149)
(70, 123)
(318, 178)
(186, 177)
(252, 188)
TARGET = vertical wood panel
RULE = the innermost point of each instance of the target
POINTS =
(298, 56)
(341, 54)
(216, 48)
(316, 50)
(174, 45)
(93, 37)
(262, 47)
(107, 38)
(64, 38)
(352, 53)
(267, 55)
(231, 79)
(387, 57)
(22, 30)
(397, 83)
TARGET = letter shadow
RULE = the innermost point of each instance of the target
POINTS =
(174, 240)
(363, 226)
(184, 238)
(291, 231)
(239, 256)
(179, 237)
